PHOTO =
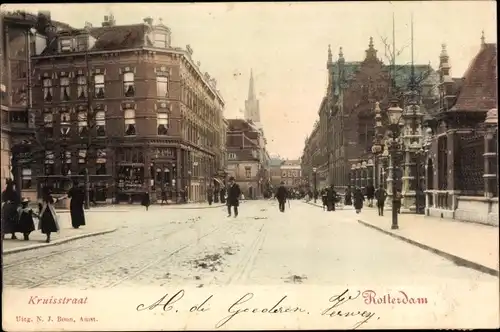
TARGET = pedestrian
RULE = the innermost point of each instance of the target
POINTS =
(324, 196)
(331, 197)
(348, 196)
(316, 195)
(26, 223)
(358, 198)
(49, 222)
(163, 196)
(397, 200)
(77, 195)
(210, 195)
(281, 195)
(222, 194)
(370, 194)
(380, 196)
(10, 216)
(233, 196)
(145, 200)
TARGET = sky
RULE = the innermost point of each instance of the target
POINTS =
(286, 46)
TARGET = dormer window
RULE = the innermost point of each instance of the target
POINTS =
(161, 40)
(81, 43)
(66, 45)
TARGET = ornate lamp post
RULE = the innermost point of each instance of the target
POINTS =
(393, 130)
(370, 172)
(358, 175)
(377, 142)
(315, 170)
(353, 176)
(364, 175)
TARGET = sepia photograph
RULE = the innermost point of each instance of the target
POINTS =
(249, 166)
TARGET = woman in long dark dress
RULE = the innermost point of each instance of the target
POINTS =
(26, 223)
(10, 216)
(77, 195)
(348, 196)
(359, 198)
(48, 217)
(145, 200)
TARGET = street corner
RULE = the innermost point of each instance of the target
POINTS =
(40, 243)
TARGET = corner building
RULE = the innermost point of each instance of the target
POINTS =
(120, 102)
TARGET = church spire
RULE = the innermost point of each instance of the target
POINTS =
(251, 90)
(483, 40)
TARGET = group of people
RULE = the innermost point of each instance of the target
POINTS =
(18, 217)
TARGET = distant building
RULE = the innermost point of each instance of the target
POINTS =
(291, 173)
(275, 171)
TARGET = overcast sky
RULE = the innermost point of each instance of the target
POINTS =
(286, 45)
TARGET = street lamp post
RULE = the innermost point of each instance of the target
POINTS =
(315, 170)
(393, 130)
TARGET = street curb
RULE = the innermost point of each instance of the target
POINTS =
(57, 242)
(198, 208)
(455, 259)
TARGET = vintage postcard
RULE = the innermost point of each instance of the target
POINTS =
(249, 166)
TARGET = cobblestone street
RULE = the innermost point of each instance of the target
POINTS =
(204, 247)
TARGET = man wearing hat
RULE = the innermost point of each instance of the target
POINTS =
(233, 197)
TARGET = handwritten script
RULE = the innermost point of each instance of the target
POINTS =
(344, 306)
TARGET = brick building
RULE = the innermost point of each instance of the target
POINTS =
(343, 134)
(462, 163)
(121, 103)
(245, 160)
(22, 35)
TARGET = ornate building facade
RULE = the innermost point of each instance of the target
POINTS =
(121, 104)
(22, 35)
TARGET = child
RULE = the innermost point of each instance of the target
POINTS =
(26, 223)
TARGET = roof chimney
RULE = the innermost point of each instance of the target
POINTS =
(109, 20)
(88, 25)
(149, 21)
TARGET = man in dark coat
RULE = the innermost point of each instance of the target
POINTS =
(222, 194)
(233, 197)
(77, 195)
(380, 196)
(10, 215)
(210, 195)
(370, 194)
(324, 196)
(145, 200)
(281, 196)
(358, 199)
(348, 196)
(331, 197)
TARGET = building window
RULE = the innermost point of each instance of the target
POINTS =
(101, 169)
(47, 89)
(49, 162)
(283, 174)
(100, 121)
(65, 124)
(162, 119)
(101, 162)
(130, 129)
(162, 86)
(82, 156)
(99, 86)
(81, 43)
(48, 120)
(82, 87)
(128, 84)
(231, 156)
(161, 40)
(66, 165)
(83, 128)
(66, 45)
(26, 178)
(65, 92)
(248, 173)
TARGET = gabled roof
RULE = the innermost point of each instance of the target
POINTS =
(479, 86)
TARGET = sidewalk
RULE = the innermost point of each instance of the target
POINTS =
(466, 244)
(67, 233)
(113, 208)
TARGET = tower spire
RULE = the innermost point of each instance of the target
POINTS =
(251, 90)
(330, 58)
(483, 40)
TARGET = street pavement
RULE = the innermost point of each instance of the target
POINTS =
(204, 247)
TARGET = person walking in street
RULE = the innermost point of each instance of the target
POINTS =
(26, 222)
(397, 200)
(348, 196)
(77, 195)
(163, 196)
(233, 197)
(380, 196)
(281, 195)
(48, 217)
(10, 216)
(370, 194)
(324, 196)
(145, 200)
(210, 195)
(331, 197)
(358, 198)
(222, 195)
